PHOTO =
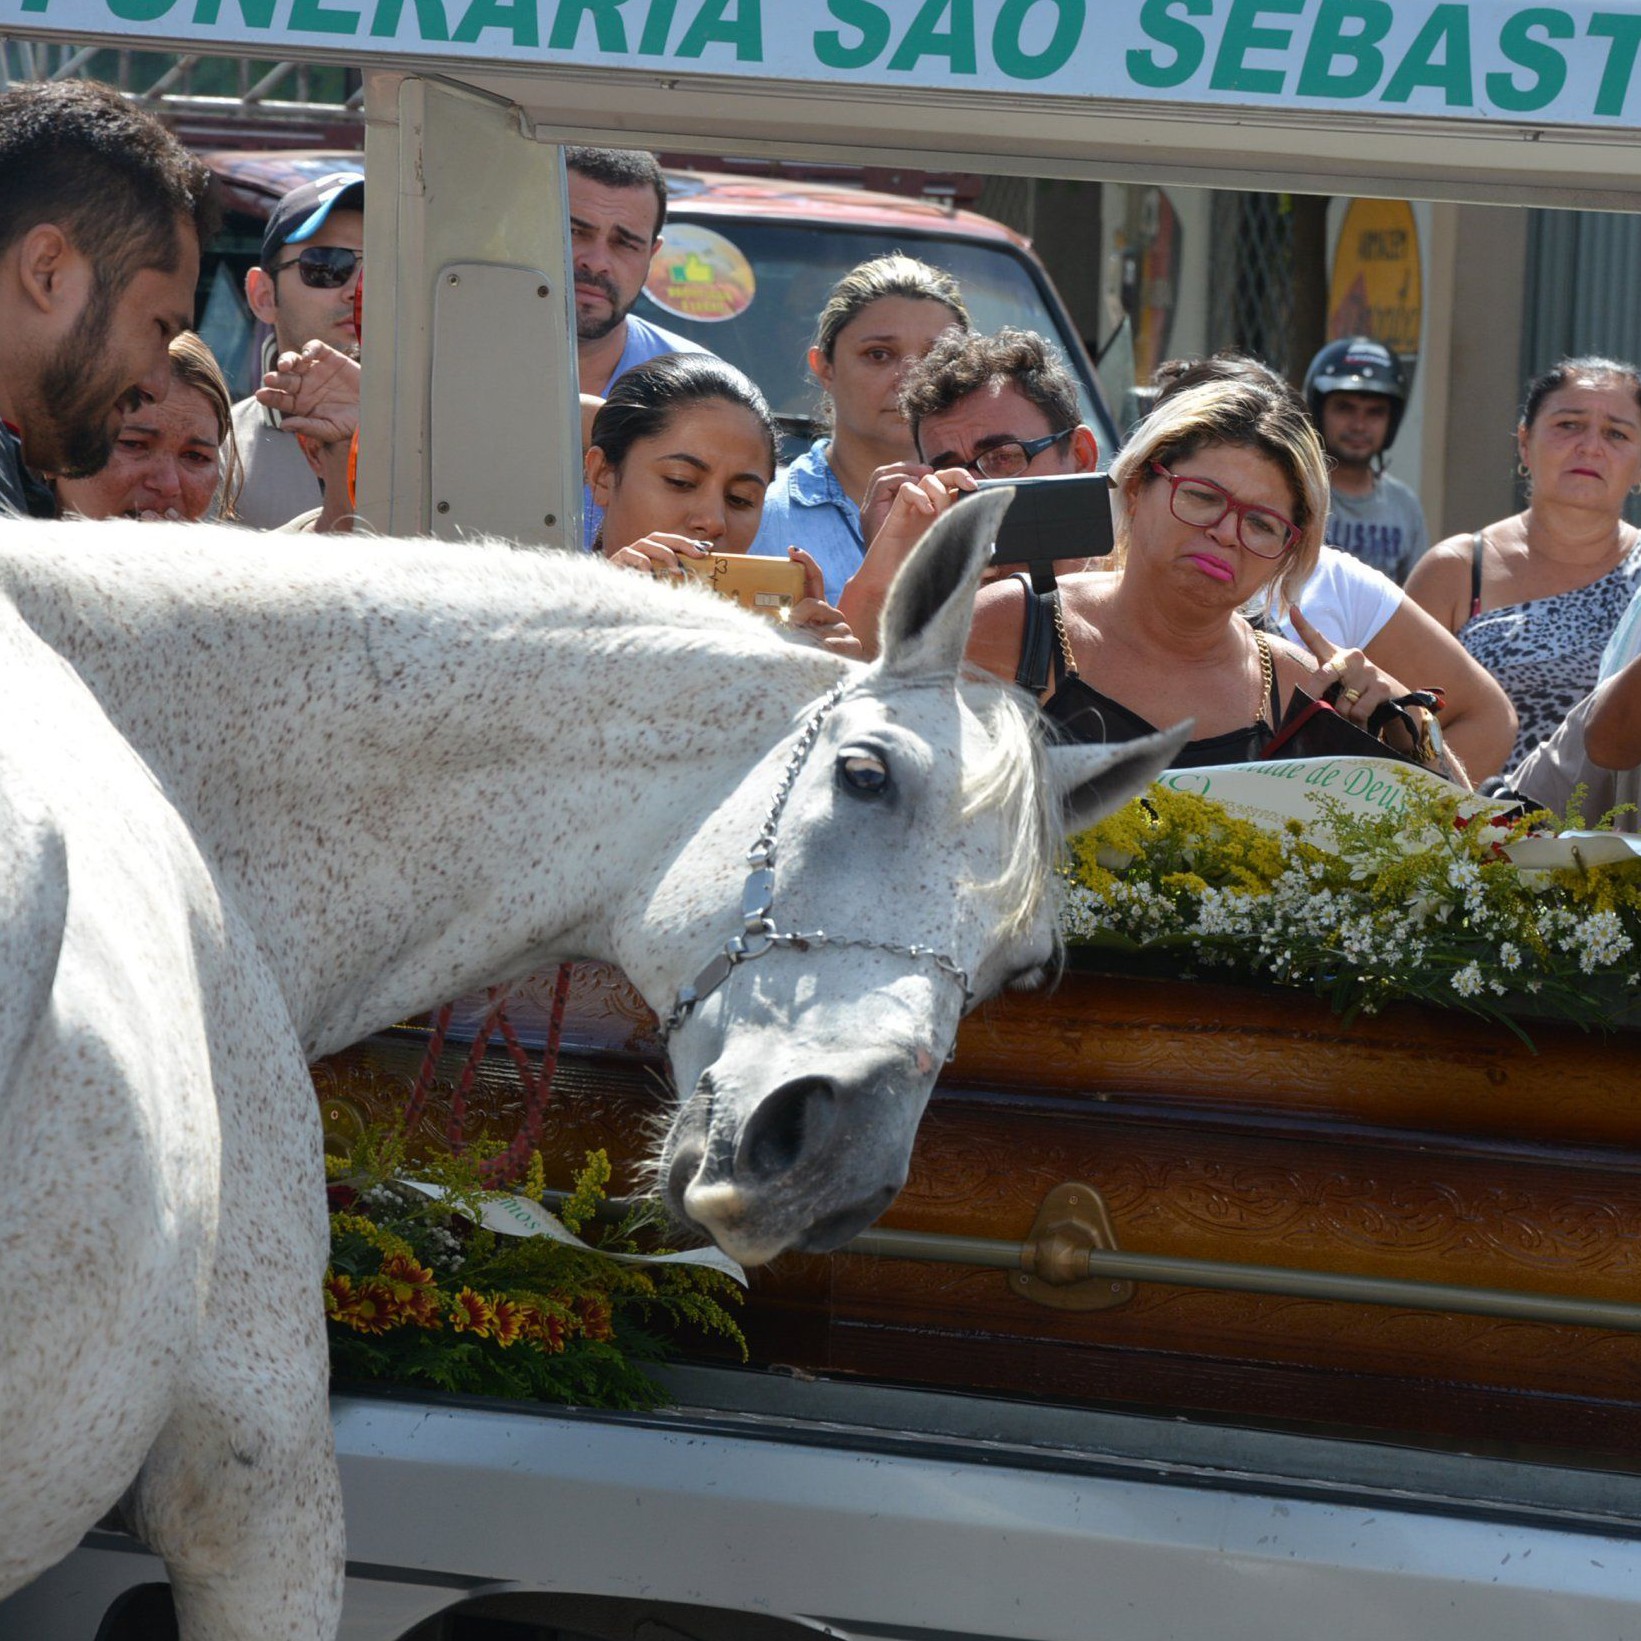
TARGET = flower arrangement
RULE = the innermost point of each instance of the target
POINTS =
(420, 1292)
(1420, 903)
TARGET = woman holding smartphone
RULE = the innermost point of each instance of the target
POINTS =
(682, 455)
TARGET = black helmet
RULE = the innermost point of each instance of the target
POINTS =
(1357, 364)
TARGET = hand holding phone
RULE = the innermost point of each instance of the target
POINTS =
(769, 586)
(1058, 516)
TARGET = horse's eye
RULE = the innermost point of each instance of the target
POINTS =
(863, 772)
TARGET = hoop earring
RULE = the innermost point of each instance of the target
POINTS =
(1521, 470)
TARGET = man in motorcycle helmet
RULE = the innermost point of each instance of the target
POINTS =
(1357, 393)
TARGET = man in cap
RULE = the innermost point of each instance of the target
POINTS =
(312, 261)
(102, 214)
(1357, 392)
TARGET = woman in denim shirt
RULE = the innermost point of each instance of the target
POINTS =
(880, 318)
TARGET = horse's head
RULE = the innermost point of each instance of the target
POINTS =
(900, 872)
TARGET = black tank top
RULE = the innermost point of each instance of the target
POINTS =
(1081, 713)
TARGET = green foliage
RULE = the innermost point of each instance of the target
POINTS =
(419, 1293)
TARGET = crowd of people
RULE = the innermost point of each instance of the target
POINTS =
(1264, 556)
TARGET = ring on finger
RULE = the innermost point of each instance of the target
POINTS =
(1353, 696)
(1336, 666)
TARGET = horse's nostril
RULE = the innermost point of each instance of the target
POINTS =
(790, 1120)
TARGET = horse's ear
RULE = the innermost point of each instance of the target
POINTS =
(1091, 781)
(926, 619)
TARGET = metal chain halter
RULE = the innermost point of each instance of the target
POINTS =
(759, 935)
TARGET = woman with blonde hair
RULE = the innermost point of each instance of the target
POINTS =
(879, 319)
(175, 459)
(1221, 495)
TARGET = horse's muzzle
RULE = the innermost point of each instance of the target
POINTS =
(805, 1163)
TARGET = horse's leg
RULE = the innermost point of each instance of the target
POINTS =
(240, 1495)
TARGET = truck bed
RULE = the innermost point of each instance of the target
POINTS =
(765, 1505)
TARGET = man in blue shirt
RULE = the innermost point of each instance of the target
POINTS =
(618, 206)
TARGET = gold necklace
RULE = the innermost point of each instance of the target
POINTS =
(1262, 648)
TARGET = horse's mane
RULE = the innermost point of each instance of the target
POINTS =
(1013, 777)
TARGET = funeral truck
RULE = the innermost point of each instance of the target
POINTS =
(1205, 1312)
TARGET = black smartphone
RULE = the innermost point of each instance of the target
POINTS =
(1059, 516)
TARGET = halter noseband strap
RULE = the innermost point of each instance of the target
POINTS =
(759, 934)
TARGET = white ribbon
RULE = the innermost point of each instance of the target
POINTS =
(521, 1216)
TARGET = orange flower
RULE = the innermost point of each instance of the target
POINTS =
(541, 1329)
(595, 1318)
(471, 1313)
(508, 1325)
(369, 1308)
(413, 1290)
(338, 1293)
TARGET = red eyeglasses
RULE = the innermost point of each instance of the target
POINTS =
(1202, 504)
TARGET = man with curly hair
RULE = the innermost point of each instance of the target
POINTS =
(1002, 406)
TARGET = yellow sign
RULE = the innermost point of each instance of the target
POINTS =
(1376, 288)
(698, 274)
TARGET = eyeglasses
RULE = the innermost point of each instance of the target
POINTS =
(1012, 457)
(1202, 504)
(324, 267)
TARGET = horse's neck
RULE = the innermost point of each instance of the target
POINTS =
(413, 780)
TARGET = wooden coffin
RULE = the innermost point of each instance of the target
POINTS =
(1215, 1122)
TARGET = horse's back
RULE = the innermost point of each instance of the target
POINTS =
(107, 1122)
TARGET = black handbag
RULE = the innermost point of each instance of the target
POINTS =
(1311, 728)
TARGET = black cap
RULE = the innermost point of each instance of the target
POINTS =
(302, 212)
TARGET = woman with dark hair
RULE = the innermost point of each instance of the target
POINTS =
(1536, 596)
(682, 453)
(879, 319)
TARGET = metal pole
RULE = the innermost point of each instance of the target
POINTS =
(1277, 1279)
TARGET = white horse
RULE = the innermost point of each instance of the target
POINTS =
(306, 789)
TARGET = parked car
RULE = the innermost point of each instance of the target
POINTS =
(743, 269)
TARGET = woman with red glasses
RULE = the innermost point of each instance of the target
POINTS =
(1221, 495)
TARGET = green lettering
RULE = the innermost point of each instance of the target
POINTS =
(1623, 28)
(873, 23)
(744, 31)
(518, 17)
(1447, 27)
(608, 30)
(313, 17)
(257, 13)
(431, 23)
(657, 26)
(1186, 42)
(1330, 42)
(1519, 46)
(140, 11)
(1021, 65)
(1242, 35)
(923, 39)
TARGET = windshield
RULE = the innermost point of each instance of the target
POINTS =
(781, 278)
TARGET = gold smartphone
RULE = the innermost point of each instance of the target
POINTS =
(770, 586)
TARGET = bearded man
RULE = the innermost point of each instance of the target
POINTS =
(102, 215)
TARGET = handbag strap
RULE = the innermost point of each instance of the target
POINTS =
(1044, 646)
(1036, 641)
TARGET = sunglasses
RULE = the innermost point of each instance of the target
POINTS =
(324, 267)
